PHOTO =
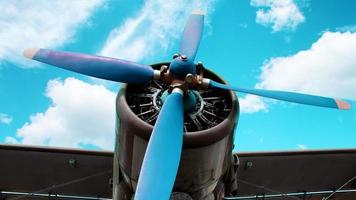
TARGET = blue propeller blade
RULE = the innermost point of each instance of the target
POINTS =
(96, 66)
(192, 34)
(289, 96)
(161, 161)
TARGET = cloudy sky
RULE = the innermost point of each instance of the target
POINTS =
(305, 46)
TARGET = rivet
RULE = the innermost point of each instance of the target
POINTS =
(72, 163)
(184, 57)
(248, 164)
(176, 55)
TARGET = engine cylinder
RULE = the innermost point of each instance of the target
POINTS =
(207, 143)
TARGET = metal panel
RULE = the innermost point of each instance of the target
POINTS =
(296, 171)
(30, 169)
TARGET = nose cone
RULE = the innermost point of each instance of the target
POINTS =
(180, 67)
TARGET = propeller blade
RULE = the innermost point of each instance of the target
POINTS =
(96, 66)
(161, 161)
(192, 33)
(289, 96)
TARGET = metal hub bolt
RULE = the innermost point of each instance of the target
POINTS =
(184, 57)
(176, 55)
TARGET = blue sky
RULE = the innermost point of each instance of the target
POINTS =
(305, 46)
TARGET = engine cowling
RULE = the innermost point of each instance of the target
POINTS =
(207, 144)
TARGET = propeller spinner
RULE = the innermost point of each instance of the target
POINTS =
(165, 145)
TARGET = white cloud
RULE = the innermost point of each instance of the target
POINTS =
(153, 30)
(80, 114)
(11, 140)
(328, 68)
(279, 14)
(5, 118)
(252, 104)
(347, 28)
(302, 146)
(42, 23)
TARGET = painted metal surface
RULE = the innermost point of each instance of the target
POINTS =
(289, 96)
(206, 154)
(28, 169)
(48, 170)
(189, 45)
(295, 195)
(26, 195)
(96, 66)
(180, 68)
(192, 34)
(163, 153)
(272, 173)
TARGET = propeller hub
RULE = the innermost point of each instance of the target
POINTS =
(181, 66)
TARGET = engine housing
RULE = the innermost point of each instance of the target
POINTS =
(207, 144)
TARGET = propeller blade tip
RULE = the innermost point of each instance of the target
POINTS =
(343, 105)
(30, 53)
(198, 12)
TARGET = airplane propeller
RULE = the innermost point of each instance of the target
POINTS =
(161, 161)
(162, 157)
(289, 96)
(192, 35)
(96, 66)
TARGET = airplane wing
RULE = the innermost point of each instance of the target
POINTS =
(34, 171)
(310, 174)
